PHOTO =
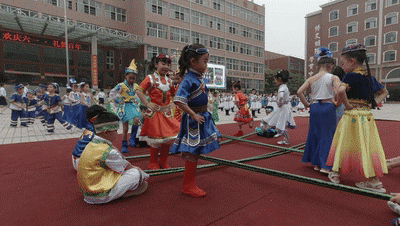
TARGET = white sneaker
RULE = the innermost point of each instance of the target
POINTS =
(283, 142)
(278, 135)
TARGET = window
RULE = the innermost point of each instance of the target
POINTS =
(232, 46)
(333, 31)
(334, 15)
(217, 43)
(370, 41)
(389, 56)
(217, 23)
(351, 41)
(157, 6)
(352, 10)
(179, 12)
(217, 60)
(333, 46)
(245, 49)
(258, 35)
(246, 66)
(179, 35)
(371, 5)
(217, 4)
(352, 27)
(199, 18)
(391, 2)
(258, 51)
(371, 57)
(258, 68)
(232, 64)
(157, 30)
(59, 3)
(245, 31)
(391, 18)
(232, 9)
(258, 19)
(391, 37)
(21, 51)
(115, 13)
(370, 23)
(110, 59)
(199, 38)
(232, 28)
(89, 6)
(153, 51)
(201, 2)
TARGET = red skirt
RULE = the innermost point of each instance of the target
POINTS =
(243, 115)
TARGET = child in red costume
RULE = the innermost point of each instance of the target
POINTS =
(160, 127)
(243, 116)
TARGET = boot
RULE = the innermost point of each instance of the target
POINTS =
(189, 181)
(163, 157)
(132, 139)
(238, 133)
(154, 159)
(124, 146)
(226, 112)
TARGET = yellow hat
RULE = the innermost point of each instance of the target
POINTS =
(132, 68)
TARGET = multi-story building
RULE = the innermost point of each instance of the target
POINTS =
(105, 35)
(374, 23)
(276, 61)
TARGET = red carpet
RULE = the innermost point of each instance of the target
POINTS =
(39, 188)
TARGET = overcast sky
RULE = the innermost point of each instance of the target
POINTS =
(285, 24)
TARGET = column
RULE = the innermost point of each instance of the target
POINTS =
(95, 66)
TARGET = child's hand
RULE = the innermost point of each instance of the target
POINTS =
(152, 106)
(396, 198)
(349, 107)
(198, 118)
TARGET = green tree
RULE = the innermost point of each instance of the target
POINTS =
(293, 85)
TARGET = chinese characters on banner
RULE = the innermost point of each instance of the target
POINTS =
(95, 81)
(317, 44)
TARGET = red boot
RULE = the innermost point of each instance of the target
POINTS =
(154, 159)
(189, 181)
(163, 157)
(238, 133)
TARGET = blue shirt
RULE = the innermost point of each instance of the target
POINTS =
(84, 140)
(192, 90)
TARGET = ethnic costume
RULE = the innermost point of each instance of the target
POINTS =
(75, 107)
(81, 121)
(17, 105)
(356, 145)
(31, 106)
(54, 103)
(67, 109)
(84, 140)
(3, 94)
(322, 122)
(243, 115)
(102, 176)
(195, 138)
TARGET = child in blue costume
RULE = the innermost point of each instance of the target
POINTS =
(75, 98)
(17, 106)
(86, 101)
(67, 105)
(125, 94)
(198, 134)
(54, 103)
(31, 104)
(42, 115)
(87, 134)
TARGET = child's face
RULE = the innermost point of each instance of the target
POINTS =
(130, 78)
(50, 88)
(162, 67)
(278, 81)
(20, 90)
(348, 64)
(200, 65)
(30, 96)
(86, 88)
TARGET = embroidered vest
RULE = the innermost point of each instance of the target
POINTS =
(128, 93)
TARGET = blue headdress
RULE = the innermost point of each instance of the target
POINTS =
(72, 81)
(32, 91)
(17, 87)
(42, 86)
(353, 47)
(56, 86)
(324, 52)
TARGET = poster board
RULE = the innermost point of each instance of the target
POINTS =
(215, 77)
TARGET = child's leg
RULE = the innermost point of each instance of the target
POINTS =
(154, 158)
(189, 178)
(372, 184)
(240, 132)
(14, 118)
(66, 124)
(50, 123)
(392, 165)
(164, 156)
(125, 137)
(24, 118)
(133, 140)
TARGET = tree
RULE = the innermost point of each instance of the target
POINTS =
(293, 85)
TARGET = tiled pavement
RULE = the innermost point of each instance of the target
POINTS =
(37, 132)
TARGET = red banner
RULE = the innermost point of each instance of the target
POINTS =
(95, 81)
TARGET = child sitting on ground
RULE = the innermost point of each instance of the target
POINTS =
(103, 172)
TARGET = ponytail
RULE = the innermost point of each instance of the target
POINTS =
(372, 95)
(194, 51)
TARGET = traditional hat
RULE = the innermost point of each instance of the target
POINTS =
(32, 91)
(42, 86)
(17, 87)
(132, 69)
(72, 81)
(324, 52)
(68, 87)
(81, 84)
(56, 86)
(353, 47)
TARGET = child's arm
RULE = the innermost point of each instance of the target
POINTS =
(300, 93)
(343, 98)
(196, 117)
(381, 95)
(396, 198)
(150, 105)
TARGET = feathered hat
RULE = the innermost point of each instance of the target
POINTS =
(324, 52)
(132, 69)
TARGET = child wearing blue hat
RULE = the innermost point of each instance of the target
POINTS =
(17, 106)
(42, 116)
(53, 102)
(31, 104)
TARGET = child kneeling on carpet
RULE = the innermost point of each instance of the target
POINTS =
(103, 172)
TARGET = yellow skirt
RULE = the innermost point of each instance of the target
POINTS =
(356, 145)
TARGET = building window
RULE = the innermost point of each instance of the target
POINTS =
(232, 46)
(391, 2)
(391, 18)
(153, 51)
(115, 13)
(179, 12)
(258, 35)
(232, 9)
(232, 64)
(245, 31)
(371, 57)
(333, 31)
(157, 30)
(217, 60)
(217, 4)
(370, 23)
(370, 41)
(352, 10)
(89, 6)
(217, 43)
(334, 15)
(333, 46)
(217, 23)
(110, 59)
(258, 51)
(371, 5)
(179, 35)
(352, 27)
(391, 37)
(59, 3)
(246, 66)
(259, 19)
(351, 41)
(389, 56)
(199, 18)
(233, 28)
(199, 38)
(157, 6)
(201, 2)
(245, 49)
(258, 68)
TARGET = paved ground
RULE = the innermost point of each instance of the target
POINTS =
(37, 132)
